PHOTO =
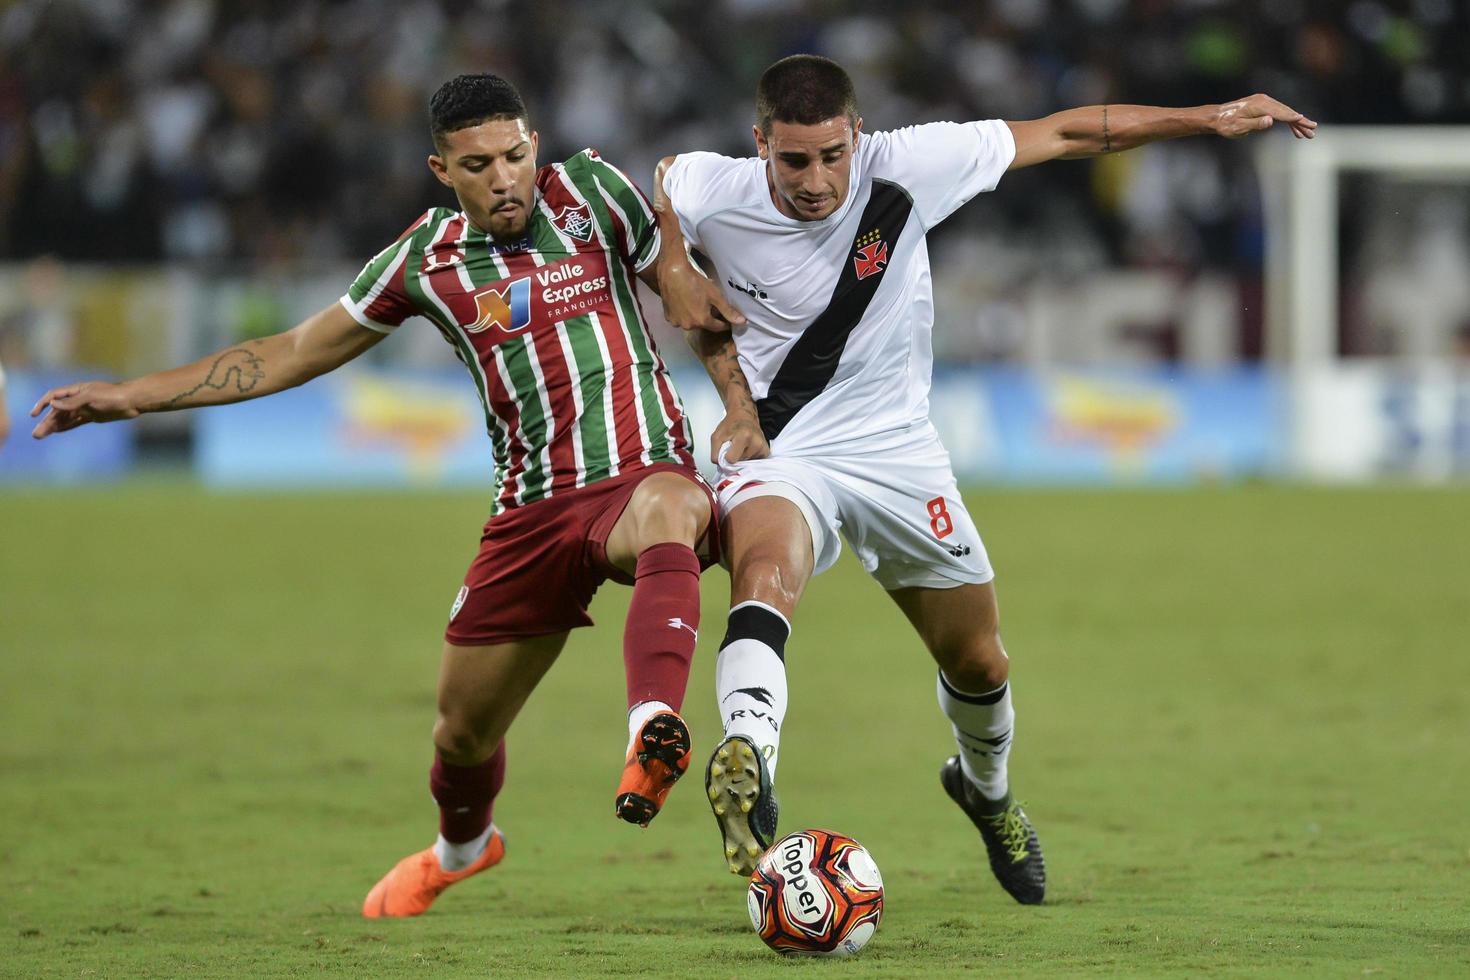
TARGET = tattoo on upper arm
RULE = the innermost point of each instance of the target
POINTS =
(1107, 137)
(236, 367)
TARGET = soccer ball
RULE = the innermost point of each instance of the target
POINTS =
(816, 893)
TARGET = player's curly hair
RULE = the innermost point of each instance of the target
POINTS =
(468, 100)
(803, 89)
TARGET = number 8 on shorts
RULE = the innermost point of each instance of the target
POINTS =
(939, 521)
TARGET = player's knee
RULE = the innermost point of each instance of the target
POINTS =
(669, 508)
(460, 743)
(977, 663)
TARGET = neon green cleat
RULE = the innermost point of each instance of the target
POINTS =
(1010, 840)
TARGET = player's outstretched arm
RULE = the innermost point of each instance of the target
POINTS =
(323, 341)
(691, 300)
(1094, 130)
(741, 426)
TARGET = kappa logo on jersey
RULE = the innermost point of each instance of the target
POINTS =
(507, 306)
(872, 254)
(575, 222)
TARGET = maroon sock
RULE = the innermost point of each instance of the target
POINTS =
(466, 794)
(663, 620)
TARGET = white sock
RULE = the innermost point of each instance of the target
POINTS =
(750, 677)
(641, 712)
(983, 726)
(457, 857)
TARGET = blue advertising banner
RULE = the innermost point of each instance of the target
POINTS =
(355, 427)
(1109, 426)
(362, 427)
(83, 455)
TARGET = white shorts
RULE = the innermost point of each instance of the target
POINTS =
(895, 501)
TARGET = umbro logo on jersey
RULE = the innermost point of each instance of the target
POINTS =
(959, 550)
(871, 254)
(443, 259)
(507, 306)
(575, 222)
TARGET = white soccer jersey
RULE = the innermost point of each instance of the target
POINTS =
(839, 311)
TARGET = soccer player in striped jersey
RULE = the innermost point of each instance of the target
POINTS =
(821, 237)
(532, 282)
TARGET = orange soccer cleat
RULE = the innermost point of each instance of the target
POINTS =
(413, 884)
(656, 760)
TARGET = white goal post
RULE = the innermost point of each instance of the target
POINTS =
(1299, 179)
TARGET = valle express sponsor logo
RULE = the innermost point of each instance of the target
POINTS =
(567, 281)
(551, 294)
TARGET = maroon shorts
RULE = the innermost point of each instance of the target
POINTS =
(540, 564)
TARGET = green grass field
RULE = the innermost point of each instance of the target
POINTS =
(1243, 733)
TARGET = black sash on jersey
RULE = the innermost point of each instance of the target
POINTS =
(812, 360)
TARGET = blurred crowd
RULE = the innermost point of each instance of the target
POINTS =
(264, 133)
(248, 129)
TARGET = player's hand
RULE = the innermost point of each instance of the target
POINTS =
(693, 302)
(77, 404)
(1259, 112)
(738, 437)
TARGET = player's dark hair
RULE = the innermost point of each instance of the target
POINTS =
(804, 89)
(468, 100)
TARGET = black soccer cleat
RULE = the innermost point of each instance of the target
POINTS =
(1010, 840)
(740, 793)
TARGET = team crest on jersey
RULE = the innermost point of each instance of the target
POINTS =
(507, 306)
(575, 222)
(871, 254)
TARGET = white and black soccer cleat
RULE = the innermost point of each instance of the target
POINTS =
(1010, 840)
(738, 785)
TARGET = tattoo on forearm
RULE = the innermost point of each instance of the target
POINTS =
(1107, 137)
(731, 377)
(722, 362)
(236, 368)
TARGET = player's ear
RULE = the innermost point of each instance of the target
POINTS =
(535, 144)
(441, 170)
(762, 148)
(857, 127)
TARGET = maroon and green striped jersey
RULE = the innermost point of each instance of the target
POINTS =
(550, 328)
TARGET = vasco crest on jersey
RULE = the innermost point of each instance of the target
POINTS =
(870, 254)
(575, 222)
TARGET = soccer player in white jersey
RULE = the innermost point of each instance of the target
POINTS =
(820, 241)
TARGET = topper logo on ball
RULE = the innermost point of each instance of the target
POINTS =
(804, 898)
